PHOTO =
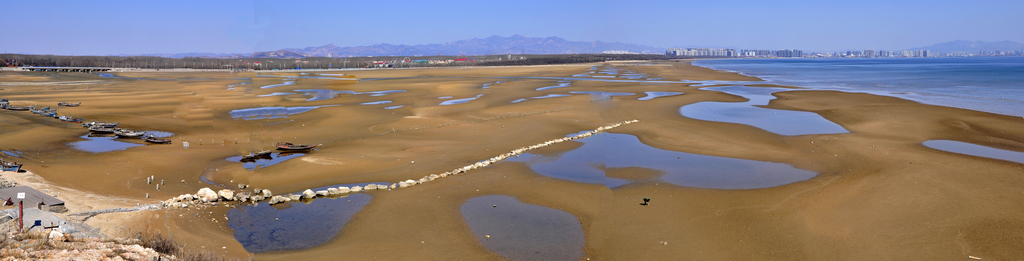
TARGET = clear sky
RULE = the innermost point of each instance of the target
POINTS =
(148, 27)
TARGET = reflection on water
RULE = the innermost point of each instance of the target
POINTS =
(293, 225)
(101, 143)
(271, 112)
(520, 231)
(376, 102)
(781, 122)
(274, 159)
(588, 163)
(976, 150)
(652, 95)
(461, 101)
(393, 107)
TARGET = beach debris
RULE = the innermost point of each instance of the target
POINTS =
(974, 257)
(647, 201)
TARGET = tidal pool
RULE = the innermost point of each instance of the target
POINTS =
(781, 122)
(652, 95)
(975, 150)
(101, 143)
(560, 85)
(271, 112)
(286, 83)
(541, 97)
(461, 101)
(520, 231)
(293, 225)
(11, 153)
(589, 164)
(393, 107)
(375, 103)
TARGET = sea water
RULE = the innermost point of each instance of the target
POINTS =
(989, 84)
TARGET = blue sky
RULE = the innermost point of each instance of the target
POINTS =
(145, 27)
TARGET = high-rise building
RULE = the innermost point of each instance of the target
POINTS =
(869, 53)
(883, 53)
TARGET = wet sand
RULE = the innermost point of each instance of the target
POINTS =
(879, 194)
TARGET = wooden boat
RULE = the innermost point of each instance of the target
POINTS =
(126, 133)
(18, 108)
(10, 166)
(68, 104)
(69, 119)
(154, 139)
(100, 124)
(253, 156)
(101, 129)
(52, 113)
(288, 146)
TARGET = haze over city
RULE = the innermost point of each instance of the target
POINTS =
(130, 27)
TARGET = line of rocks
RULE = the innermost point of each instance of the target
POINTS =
(207, 195)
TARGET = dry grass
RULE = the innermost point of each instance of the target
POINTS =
(166, 245)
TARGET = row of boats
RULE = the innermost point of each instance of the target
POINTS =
(9, 166)
(111, 128)
(45, 111)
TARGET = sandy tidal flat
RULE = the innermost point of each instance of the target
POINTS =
(877, 192)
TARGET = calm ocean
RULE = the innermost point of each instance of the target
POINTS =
(990, 84)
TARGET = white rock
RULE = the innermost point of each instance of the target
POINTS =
(226, 194)
(370, 187)
(294, 197)
(308, 194)
(344, 190)
(207, 195)
(333, 191)
(321, 193)
(402, 184)
(276, 200)
(357, 189)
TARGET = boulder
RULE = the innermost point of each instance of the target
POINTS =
(308, 194)
(294, 197)
(276, 200)
(242, 196)
(226, 194)
(256, 198)
(357, 189)
(57, 236)
(403, 184)
(266, 193)
(333, 191)
(207, 195)
(322, 193)
(344, 190)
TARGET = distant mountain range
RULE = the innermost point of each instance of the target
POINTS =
(972, 47)
(515, 44)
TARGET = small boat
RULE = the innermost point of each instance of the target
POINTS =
(18, 108)
(69, 119)
(288, 146)
(126, 133)
(10, 166)
(101, 129)
(52, 113)
(154, 139)
(68, 104)
(253, 156)
(100, 124)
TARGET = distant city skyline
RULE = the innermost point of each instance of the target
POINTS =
(144, 27)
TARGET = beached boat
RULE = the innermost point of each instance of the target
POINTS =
(154, 139)
(101, 129)
(69, 119)
(288, 146)
(126, 133)
(253, 156)
(52, 113)
(18, 108)
(68, 104)
(100, 124)
(10, 166)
